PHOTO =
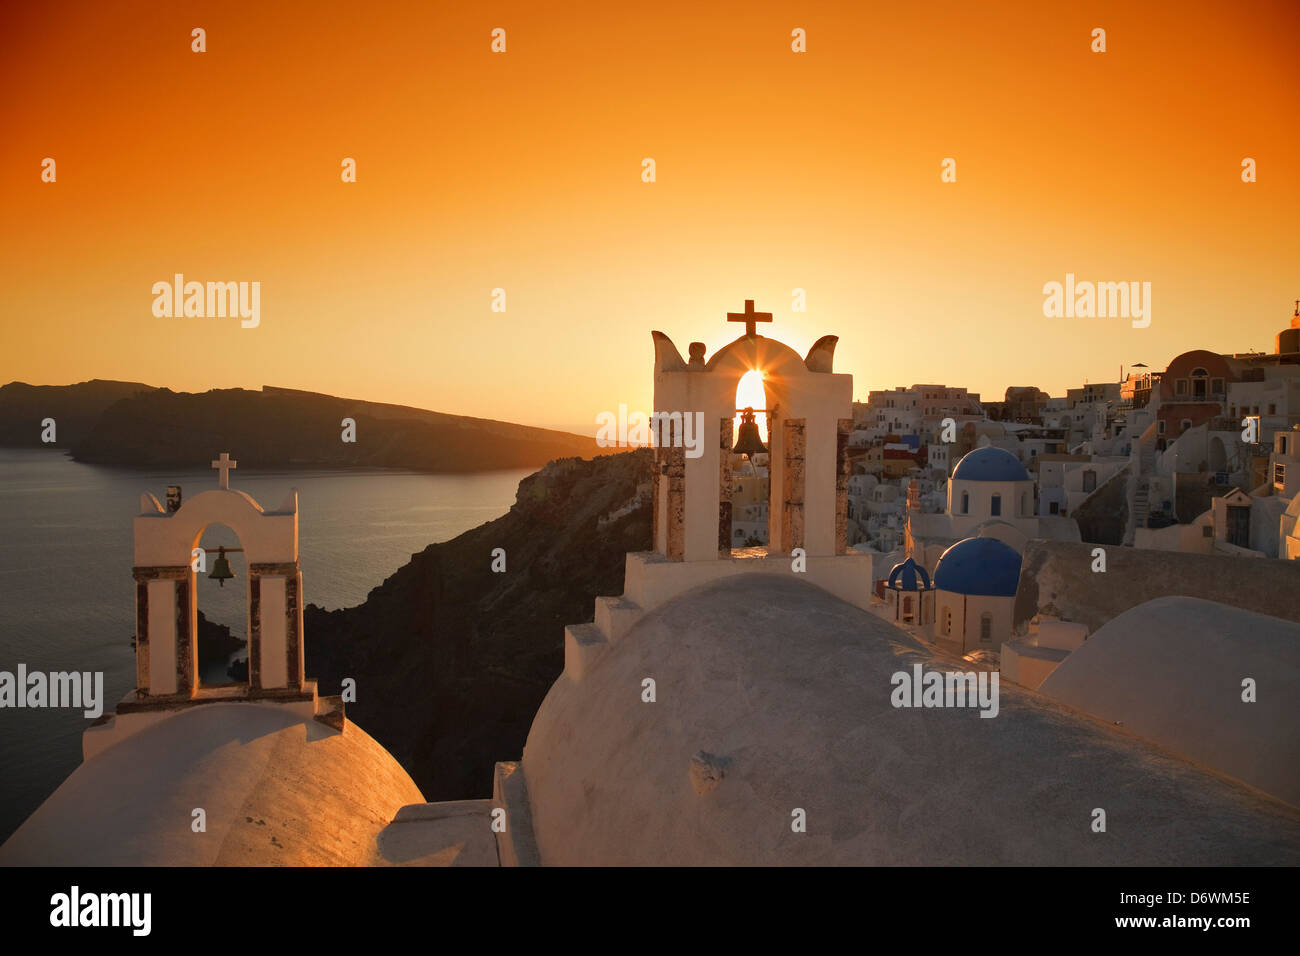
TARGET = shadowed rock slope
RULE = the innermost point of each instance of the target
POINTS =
(451, 659)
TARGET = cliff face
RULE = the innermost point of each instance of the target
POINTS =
(74, 408)
(1103, 517)
(452, 659)
(281, 428)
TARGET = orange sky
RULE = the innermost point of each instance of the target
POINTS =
(523, 170)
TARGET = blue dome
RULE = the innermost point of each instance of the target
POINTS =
(904, 577)
(990, 464)
(980, 566)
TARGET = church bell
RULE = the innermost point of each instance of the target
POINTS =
(747, 440)
(221, 572)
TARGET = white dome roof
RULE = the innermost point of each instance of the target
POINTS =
(990, 464)
(276, 790)
(773, 695)
(1171, 670)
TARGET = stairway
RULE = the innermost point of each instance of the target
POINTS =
(585, 644)
(1148, 459)
(1141, 504)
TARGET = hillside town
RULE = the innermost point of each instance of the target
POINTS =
(826, 588)
(1202, 457)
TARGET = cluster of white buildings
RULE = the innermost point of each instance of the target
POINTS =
(749, 500)
(1203, 457)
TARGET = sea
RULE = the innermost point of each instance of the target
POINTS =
(67, 597)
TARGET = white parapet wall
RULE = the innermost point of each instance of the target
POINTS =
(1029, 664)
(113, 728)
(650, 579)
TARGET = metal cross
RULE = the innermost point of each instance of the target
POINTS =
(749, 317)
(223, 465)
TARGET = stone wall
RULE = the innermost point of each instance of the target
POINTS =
(1104, 515)
(1194, 495)
(1056, 578)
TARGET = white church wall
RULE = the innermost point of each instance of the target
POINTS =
(949, 616)
(999, 611)
(1016, 500)
(1009, 534)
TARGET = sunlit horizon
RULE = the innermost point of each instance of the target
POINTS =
(799, 181)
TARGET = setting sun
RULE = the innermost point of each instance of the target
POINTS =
(751, 394)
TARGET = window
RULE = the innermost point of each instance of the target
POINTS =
(1054, 508)
(1186, 424)
(986, 628)
(1216, 386)
(1160, 427)
(995, 506)
(1272, 409)
(1180, 387)
(965, 502)
(1207, 531)
(1089, 480)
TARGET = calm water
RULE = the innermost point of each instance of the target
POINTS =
(67, 598)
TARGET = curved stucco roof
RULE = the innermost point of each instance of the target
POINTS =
(772, 696)
(1171, 670)
(771, 353)
(982, 566)
(276, 789)
(909, 576)
(989, 464)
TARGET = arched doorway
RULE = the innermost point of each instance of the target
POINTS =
(221, 608)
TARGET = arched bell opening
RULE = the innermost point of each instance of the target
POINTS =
(220, 585)
(748, 486)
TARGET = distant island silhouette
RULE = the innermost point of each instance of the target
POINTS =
(137, 425)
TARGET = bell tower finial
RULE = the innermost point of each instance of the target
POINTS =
(223, 465)
(749, 317)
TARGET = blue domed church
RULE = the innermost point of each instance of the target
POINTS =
(974, 597)
(909, 594)
(974, 550)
